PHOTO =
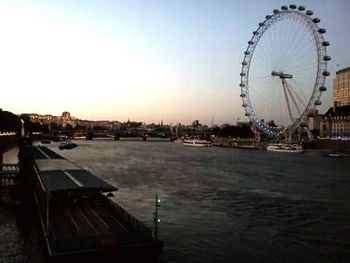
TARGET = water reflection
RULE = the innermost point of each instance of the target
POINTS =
(228, 205)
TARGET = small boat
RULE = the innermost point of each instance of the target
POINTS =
(45, 141)
(284, 147)
(197, 143)
(67, 144)
(179, 140)
(337, 155)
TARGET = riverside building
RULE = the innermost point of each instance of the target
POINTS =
(341, 88)
(336, 121)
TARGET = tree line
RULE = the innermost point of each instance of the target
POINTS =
(9, 122)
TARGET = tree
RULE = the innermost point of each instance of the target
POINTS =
(196, 124)
(68, 127)
(234, 131)
(30, 126)
(9, 122)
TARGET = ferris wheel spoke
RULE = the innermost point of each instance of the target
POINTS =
(269, 95)
(302, 58)
(302, 69)
(294, 89)
(289, 37)
(300, 51)
(264, 55)
(304, 37)
(264, 77)
(260, 60)
(297, 64)
(297, 52)
(274, 53)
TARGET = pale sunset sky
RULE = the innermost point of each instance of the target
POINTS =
(143, 60)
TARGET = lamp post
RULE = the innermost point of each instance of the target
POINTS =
(156, 219)
(22, 129)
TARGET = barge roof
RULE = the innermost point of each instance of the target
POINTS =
(57, 174)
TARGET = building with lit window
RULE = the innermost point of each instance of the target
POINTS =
(43, 119)
(66, 119)
(48, 119)
(341, 88)
(336, 121)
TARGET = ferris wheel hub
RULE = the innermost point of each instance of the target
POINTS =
(281, 75)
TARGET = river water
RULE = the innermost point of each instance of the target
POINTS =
(217, 204)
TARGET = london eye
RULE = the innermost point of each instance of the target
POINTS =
(284, 70)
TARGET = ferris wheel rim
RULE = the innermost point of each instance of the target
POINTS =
(319, 84)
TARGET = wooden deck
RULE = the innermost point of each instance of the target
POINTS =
(83, 219)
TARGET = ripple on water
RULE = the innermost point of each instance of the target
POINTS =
(228, 205)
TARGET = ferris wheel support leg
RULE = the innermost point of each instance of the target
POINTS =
(305, 129)
(309, 134)
(285, 88)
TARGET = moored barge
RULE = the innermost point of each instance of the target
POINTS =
(76, 216)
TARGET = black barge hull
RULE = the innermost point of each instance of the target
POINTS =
(78, 219)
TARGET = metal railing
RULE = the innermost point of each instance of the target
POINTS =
(129, 220)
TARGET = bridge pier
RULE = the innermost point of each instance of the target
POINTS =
(8, 175)
(1, 153)
(9, 180)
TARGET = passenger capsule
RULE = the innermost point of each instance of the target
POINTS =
(316, 20)
(242, 85)
(242, 95)
(284, 8)
(322, 88)
(325, 43)
(276, 11)
(309, 12)
(250, 42)
(242, 74)
(317, 102)
(327, 58)
(255, 32)
(325, 73)
(322, 30)
(244, 63)
(301, 8)
(268, 17)
(247, 114)
(292, 6)
(261, 24)
(244, 105)
(246, 53)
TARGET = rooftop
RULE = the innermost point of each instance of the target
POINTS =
(338, 111)
(343, 70)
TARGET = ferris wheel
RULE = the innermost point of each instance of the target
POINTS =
(284, 70)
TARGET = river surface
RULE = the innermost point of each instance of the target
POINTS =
(217, 204)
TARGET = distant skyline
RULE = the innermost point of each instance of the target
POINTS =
(175, 61)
